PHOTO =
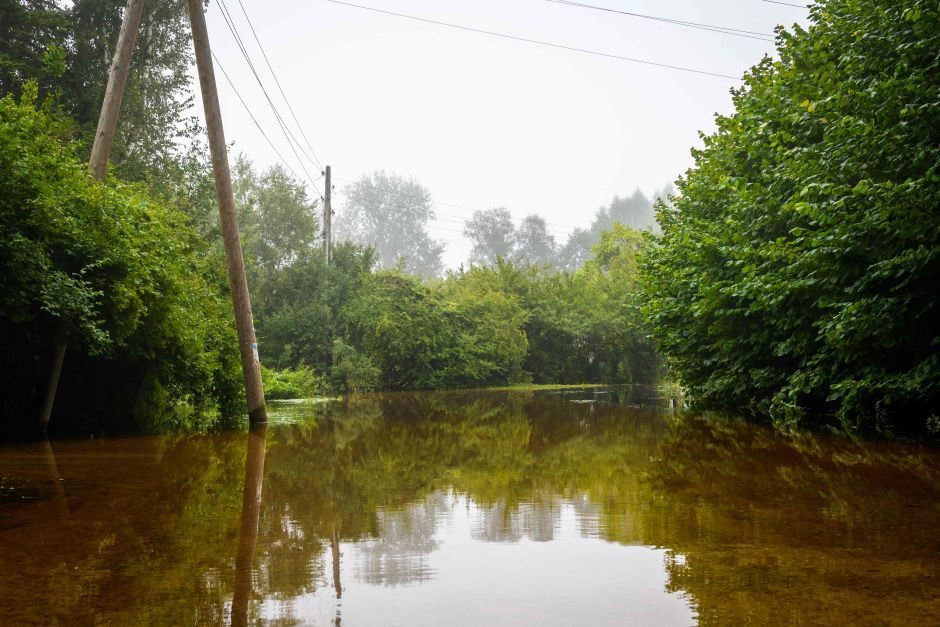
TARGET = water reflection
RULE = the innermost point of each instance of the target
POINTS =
(472, 508)
(248, 530)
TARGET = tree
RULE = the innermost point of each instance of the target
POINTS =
(796, 273)
(391, 214)
(576, 250)
(32, 35)
(150, 323)
(635, 212)
(534, 243)
(492, 233)
(278, 219)
(158, 120)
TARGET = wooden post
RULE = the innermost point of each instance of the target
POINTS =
(114, 94)
(98, 167)
(247, 344)
(327, 216)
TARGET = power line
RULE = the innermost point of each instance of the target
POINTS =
(278, 83)
(253, 119)
(463, 220)
(453, 206)
(288, 135)
(230, 23)
(537, 41)
(737, 32)
(786, 4)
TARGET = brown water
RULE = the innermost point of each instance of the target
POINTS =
(472, 509)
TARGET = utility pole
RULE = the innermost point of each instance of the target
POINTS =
(238, 284)
(327, 216)
(114, 94)
(98, 167)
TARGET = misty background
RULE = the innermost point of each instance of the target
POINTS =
(560, 142)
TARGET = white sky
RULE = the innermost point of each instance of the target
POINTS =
(484, 121)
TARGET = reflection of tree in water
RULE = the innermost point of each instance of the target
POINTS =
(831, 530)
(399, 555)
(537, 520)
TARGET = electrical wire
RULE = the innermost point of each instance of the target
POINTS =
(253, 119)
(278, 83)
(453, 206)
(288, 135)
(786, 4)
(737, 32)
(462, 220)
(537, 41)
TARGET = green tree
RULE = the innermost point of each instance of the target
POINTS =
(533, 242)
(151, 323)
(796, 272)
(32, 36)
(491, 232)
(391, 214)
(158, 119)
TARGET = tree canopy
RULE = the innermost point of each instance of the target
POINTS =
(796, 273)
(391, 214)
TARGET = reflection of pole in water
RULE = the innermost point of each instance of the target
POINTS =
(334, 542)
(337, 585)
(248, 533)
(61, 505)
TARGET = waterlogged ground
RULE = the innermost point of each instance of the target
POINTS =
(560, 508)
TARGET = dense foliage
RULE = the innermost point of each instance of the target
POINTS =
(796, 273)
(362, 329)
(145, 308)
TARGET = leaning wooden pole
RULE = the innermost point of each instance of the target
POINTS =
(114, 94)
(247, 344)
(98, 167)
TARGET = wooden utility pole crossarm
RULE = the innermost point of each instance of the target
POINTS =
(247, 344)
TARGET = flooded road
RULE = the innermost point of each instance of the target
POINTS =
(472, 508)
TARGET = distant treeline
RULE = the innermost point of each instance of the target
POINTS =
(392, 214)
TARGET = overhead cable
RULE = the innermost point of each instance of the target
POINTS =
(278, 83)
(787, 4)
(737, 32)
(253, 119)
(538, 42)
(288, 135)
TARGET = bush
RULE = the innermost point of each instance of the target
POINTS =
(145, 306)
(796, 273)
(301, 382)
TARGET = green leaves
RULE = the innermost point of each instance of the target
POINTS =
(800, 258)
(127, 274)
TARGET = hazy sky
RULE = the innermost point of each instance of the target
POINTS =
(483, 121)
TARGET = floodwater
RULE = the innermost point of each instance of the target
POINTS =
(472, 508)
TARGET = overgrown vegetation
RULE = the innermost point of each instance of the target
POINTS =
(144, 306)
(796, 273)
(793, 278)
